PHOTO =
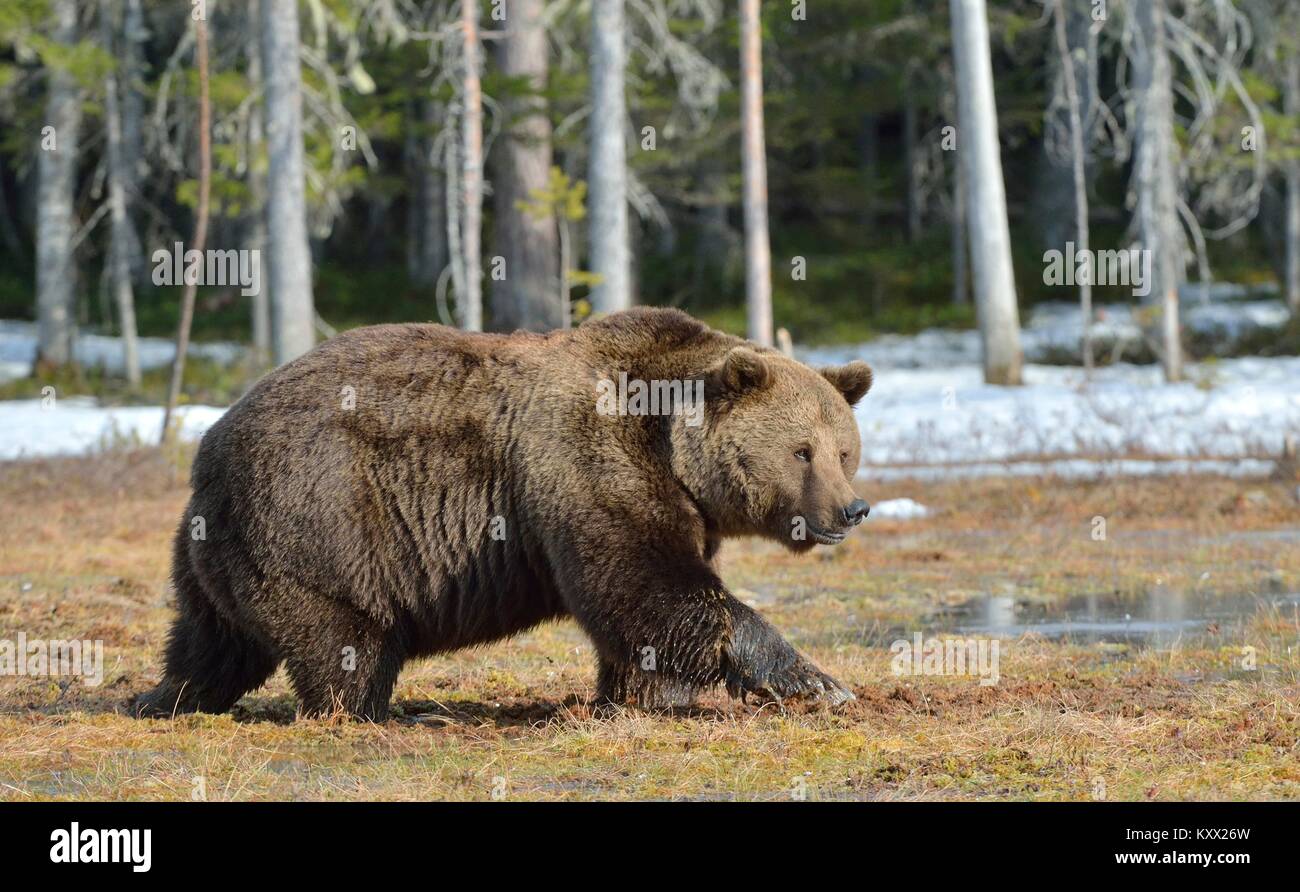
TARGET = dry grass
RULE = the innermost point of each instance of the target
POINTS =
(83, 551)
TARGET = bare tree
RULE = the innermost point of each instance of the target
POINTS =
(530, 295)
(1078, 164)
(1155, 175)
(607, 173)
(957, 198)
(200, 223)
(1292, 105)
(1053, 189)
(960, 272)
(56, 194)
(990, 238)
(256, 237)
(911, 116)
(121, 237)
(292, 310)
(130, 90)
(426, 245)
(471, 300)
(758, 247)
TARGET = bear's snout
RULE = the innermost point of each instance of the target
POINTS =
(855, 512)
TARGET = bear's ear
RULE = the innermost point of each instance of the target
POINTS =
(742, 370)
(852, 380)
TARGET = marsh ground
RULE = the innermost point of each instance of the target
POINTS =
(1159, 662)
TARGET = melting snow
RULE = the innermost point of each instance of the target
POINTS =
(898, 509)
(929, 413)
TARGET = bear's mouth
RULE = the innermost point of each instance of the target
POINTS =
(827, 537)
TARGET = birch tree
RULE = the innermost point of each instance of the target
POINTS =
(121, 240)
(990, 238)
(1292, 257)
(957, 205)
(530, 296)
(471, 300)
(957, 238)
(200, 240)
(758, 248)
(1078, 166)
(607, 166)
(292, 310)
(255, 234)
(1155, 176)
(56, 194)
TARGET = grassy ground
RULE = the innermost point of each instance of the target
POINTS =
(83, 546)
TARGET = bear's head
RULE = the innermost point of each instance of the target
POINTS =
(778, 449)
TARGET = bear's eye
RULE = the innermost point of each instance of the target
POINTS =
(804, 454)
(844, 456)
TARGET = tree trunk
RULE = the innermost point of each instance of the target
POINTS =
(869, 145)
(530, 297)
(566, 253)
(960, 274)
(200, 224)
(426, 249)
(130, 85)
(957, 220)
(1078, 163)
(8, 228)
(255, 222)
(913, 173)
(869, 150)
(1052, 203)
(120, 241)
(1293, 191)
(56, 196)
(455, 195)
(990, 238)
(471, 301)
(714, 242)
(607, 176)
(1154, 170)
(292, 310)
(758, 246)
(413, 147)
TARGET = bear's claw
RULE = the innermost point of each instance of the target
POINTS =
(800, 680)
(759, 661)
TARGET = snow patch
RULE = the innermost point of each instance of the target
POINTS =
(75, 425)
(1053, 334)
(18, 351)
(898, 509)
(1235, 409)
(930, 414)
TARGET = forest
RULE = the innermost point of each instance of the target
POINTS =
(520, 164)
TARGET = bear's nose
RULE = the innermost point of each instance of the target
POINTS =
(856, 512)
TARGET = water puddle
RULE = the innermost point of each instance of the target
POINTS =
(1163, 617)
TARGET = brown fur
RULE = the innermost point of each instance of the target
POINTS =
(371, 527)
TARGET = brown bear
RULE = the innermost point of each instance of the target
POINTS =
(407, 490)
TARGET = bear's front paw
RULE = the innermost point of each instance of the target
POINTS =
(794, 678)
(757, 660)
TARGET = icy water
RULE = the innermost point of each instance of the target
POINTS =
(1163, 617)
